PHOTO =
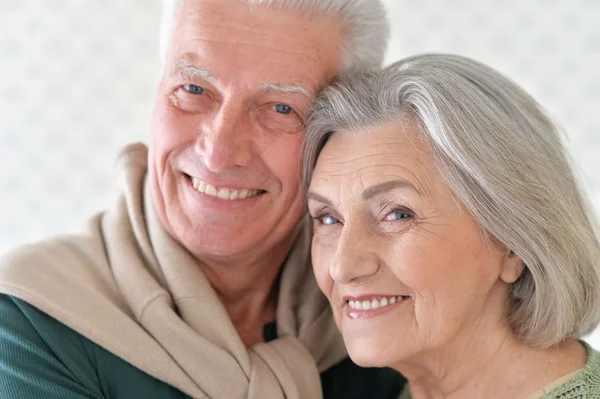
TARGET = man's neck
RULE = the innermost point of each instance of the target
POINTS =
(250, 303)
(248, 288)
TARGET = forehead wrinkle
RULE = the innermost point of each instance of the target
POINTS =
(253, 24)
(314, 28)
(339, 166)
(342, 165)
(274, 44)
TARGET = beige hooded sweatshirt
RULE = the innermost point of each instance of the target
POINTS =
(125, 284)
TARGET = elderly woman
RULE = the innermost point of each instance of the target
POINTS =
(450, 236)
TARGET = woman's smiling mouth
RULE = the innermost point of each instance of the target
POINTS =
(369, 306)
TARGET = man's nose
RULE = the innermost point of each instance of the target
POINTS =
(354, 261)
(225, 139)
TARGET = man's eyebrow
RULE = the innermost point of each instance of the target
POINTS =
(187, 68)
(381, 188)
(270, 87)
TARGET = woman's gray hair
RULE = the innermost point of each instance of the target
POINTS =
(503, 159)
(366, 27)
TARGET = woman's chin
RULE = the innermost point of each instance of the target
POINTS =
(374, 348)
(367, 357)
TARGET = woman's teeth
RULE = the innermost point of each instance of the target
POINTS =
(374, 303)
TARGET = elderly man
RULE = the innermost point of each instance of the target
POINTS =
(196, 280)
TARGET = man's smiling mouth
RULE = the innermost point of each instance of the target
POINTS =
(225, 193)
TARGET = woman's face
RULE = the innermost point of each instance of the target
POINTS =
(407, 270)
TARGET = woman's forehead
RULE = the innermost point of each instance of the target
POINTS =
(388, 149)
(349, 168)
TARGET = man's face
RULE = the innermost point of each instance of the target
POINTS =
(228, 124)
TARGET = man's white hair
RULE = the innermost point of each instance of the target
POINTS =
(365, 26)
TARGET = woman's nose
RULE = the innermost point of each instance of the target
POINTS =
(354, 260)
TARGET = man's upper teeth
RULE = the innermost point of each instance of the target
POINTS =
(223, 193)
(374, 303)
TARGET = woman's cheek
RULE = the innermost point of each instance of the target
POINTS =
(321, 258)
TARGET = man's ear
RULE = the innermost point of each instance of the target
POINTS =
(512, 267)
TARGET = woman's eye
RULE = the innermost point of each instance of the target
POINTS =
(282, 109)
(398, 214)
(193, 89)
(327, 220)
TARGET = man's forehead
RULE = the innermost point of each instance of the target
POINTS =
(272, 49)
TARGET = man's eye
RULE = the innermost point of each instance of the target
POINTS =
(193, 89)
(398, 214)
(282, 109)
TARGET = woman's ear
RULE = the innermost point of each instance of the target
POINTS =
(512, 267)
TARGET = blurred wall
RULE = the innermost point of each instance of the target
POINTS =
(77, 82)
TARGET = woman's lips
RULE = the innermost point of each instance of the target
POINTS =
(370, 306)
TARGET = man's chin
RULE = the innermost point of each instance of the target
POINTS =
(225, 242)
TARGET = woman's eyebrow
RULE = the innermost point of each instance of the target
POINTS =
(384, 187)
(318, 197)
(368, 192)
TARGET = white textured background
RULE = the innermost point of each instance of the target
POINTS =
(77, 82)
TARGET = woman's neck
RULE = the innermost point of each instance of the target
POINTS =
(493, 367)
